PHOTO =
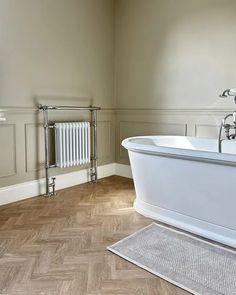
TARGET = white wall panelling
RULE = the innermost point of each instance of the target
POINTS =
(7, 149)
(133, 122)
(22, 149)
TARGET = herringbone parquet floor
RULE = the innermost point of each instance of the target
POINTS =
(58, 246)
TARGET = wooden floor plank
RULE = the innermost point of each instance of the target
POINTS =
(58, 245)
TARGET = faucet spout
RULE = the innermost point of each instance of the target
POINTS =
(229, 92)
(225, 93)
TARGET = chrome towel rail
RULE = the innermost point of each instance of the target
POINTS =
(50, 185)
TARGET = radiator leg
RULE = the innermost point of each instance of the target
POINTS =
(93, 173)
(50, 187)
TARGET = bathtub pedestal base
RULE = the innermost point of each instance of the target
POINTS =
(193, 225)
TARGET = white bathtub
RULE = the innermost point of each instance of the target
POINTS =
(184, 182)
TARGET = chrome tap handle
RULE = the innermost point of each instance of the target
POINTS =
(234, 118)
(226, 129)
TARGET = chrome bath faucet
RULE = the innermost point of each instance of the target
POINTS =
(226, 126)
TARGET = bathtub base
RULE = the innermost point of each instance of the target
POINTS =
(193, 225)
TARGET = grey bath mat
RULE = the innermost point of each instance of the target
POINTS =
(195, 265)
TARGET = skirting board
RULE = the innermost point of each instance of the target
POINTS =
(123, 170)
(22, 191)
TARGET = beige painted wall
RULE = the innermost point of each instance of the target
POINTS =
(53, 52)
(167, 55)
(174, 54)
(56, 47)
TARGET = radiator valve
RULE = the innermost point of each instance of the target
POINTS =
(52, 186)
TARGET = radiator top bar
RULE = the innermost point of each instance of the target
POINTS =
(67, 108)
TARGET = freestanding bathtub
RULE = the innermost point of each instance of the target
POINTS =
(185, 182)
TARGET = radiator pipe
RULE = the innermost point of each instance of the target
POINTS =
(68, 108)
(46, 150)
(94, 174)
(50, 186)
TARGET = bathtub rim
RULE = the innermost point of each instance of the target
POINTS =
(179, 153)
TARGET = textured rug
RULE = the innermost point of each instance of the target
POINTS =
(188, 262)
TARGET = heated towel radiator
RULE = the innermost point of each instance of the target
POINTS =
(75, 143)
